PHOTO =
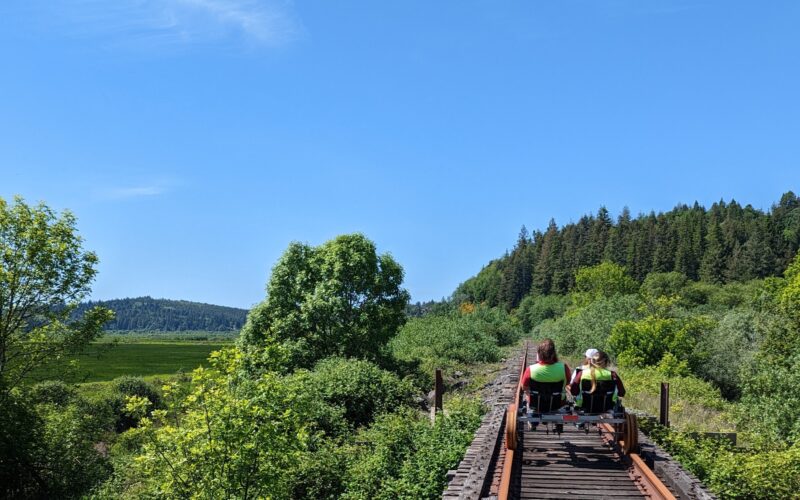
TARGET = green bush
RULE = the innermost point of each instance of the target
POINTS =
(770, 401)
(127, 386)
(536, 308)
(603, 280)
(663, 284)
(403, 456)
(321, 472)
(588, 326)
(729, 348)
(47, 448)
(683, 388)
(53, 392)
(496, 322)
(444, 342)
(735, 473)
(645, 342)
(360, 387)
(235, 437)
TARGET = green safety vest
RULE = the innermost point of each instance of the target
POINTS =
(599, 374)
(550, 373)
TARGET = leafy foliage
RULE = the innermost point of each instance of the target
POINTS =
(340, 298)
(603, 280)
(588, 326)
(536, 308)
(44, 273)
(229, 437)
(646, 342)
(360, 387)
(444, 341)
(734, 472)
(48, 444)
(404, 456)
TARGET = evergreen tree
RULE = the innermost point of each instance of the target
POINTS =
(545, 265)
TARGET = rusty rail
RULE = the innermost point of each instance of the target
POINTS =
(511, 433)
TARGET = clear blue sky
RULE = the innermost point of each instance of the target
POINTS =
(194, 139)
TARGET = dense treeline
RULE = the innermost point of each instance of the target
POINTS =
(149, 314)
(727, 242)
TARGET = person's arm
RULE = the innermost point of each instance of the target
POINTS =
(526, 384)
(618, 381)
(575, 383)
(567, 376)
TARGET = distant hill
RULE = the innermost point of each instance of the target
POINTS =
(149, 314)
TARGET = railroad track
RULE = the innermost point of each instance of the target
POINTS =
(513, 461)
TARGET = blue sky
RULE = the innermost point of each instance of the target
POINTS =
(194, 139)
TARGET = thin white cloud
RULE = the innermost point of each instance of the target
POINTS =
(160, 23)
(125, 193)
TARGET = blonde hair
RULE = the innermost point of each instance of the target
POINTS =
(599, 360)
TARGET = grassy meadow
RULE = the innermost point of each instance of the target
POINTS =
(143, 356)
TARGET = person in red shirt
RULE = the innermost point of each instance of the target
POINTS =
(550, 371)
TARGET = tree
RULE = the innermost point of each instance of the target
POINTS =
(602, 280)
(45, 450)
(340, 298)
(44, 274)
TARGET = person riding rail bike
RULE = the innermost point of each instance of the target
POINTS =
(596, 387)
(545, 382)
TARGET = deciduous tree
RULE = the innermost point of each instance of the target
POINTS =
(44, 274)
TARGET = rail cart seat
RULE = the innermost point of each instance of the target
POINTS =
(599, 401)
(546, 397)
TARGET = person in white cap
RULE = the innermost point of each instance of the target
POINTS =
(586, 365)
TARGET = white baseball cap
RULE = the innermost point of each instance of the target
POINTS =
(591, 352)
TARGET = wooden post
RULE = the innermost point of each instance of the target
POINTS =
(663, 418)
(438, 390)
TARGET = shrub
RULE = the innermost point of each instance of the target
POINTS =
(735, 472)
(536, 308)
(53, 392)
(647, 341)
(588, 326)
(404, 456)
(769, 402)
(47, 450)
(444, 342)
(127, 386)
(236, 437)
(729, 348)
(663, 284)
(505, 328)
(360, 387)
(321, 472)
(603, 280)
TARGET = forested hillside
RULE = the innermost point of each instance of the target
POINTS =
(705, 299)
(149, 314)
(724, 243)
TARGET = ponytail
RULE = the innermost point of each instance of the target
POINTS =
(599, 360)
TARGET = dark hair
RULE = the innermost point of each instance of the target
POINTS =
(546, 350)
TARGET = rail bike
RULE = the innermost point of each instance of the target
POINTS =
(593, 409)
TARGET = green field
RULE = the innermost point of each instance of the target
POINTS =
(106, 361)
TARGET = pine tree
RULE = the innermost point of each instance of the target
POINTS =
(543, 271)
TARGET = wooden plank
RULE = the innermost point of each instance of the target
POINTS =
(584, 493)
(594, 496)
(570, 487)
